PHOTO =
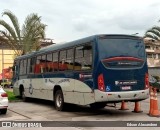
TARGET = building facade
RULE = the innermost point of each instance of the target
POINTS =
(7, 55)
(153, 52)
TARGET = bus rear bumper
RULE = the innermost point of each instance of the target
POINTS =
(121, 96)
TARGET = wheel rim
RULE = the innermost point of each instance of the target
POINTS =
(59, 100)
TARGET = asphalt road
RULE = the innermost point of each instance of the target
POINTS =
(40, 110)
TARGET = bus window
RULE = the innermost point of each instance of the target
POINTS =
(55, 61)
(49, 63)
(28, 66)
(83, 57)
(62, 61)
(21, 67)
(43, 64)
(25, 66)
(69, 59)
(32, 64)
(37, 66)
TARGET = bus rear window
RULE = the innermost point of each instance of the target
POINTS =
(109, 48)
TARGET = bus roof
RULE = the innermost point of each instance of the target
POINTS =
(55, 47)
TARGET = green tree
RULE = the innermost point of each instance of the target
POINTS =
(153, 33)
(25, 39)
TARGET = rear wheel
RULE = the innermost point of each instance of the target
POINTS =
(3, 111)
(97, 105)
(59, 100)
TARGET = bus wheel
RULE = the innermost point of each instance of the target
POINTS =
(97, 105)
(59, 100)
(5, 86)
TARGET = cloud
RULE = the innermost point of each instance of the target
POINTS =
(70, 19)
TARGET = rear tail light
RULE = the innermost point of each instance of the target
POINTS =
(4, 95)
(101, 85)
(146, 81)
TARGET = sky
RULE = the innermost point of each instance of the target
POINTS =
(69, 20)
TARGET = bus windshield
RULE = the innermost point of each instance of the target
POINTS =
(109, 48)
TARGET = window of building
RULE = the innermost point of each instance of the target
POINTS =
(158, 56)
(154, 56)
(83, 57)
(147, 47)
(149, 55)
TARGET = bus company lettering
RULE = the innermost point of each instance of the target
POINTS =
(125, 82)
(51, 81)
(81, 76)
(63, 80)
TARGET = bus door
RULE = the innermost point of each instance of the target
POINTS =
(15, 72)
(39, 83)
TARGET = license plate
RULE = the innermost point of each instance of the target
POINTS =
(126, 87)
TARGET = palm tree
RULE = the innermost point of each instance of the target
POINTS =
(153, 33)
(26, 39)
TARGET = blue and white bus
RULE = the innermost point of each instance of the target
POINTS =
(91, 71)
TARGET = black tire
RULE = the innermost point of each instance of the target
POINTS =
(5, 86)
(3, 111)
(97, 105)
(59, 100)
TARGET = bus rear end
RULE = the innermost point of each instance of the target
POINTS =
(121, 73)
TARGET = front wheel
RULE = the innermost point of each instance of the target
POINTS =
(59, 100)
(6, 86)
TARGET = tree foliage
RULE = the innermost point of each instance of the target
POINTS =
(153, 33)
(25, 39)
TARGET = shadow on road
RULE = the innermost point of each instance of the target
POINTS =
(82, 110)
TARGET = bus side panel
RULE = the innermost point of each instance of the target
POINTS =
(67, 86)
(83, 93)
(16, 89)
